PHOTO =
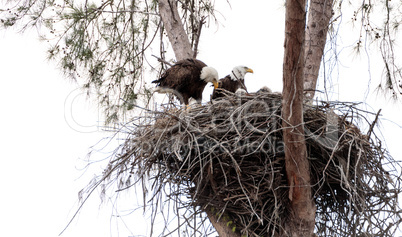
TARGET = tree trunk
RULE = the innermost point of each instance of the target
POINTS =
(175, 29)
(182, 50)
(302, 210)
(320, 12)
(221, 227)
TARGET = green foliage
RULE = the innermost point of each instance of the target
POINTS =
(104, 45)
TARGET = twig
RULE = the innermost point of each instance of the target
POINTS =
(372, 124)
(123, 11)
(198, 36)
(162, 60)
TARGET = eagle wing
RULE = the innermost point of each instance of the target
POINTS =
(183, 78)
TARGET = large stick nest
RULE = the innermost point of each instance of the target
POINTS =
(227, 158)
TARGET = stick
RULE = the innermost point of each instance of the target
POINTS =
(162, 60)
(202, 21)
(372, 124)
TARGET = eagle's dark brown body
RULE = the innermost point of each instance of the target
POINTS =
(184, 80)
(232, 82)
(228, 84)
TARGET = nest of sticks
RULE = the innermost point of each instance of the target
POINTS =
(226, 158)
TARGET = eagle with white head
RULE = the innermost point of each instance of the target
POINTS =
(234, 82)
(186, 80)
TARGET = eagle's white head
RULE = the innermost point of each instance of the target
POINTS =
(209, 74)
(239, 72)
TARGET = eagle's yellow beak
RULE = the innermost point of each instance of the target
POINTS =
(216, 84)
(249, 70)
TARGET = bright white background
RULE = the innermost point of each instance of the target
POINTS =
(47, 126)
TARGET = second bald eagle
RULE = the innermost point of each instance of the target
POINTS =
(232, 82)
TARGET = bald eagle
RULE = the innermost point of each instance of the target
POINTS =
(186, 80)
(234, 82)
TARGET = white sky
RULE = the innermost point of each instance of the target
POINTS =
(42, 146)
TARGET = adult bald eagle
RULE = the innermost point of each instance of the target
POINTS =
(232, 82)
(187, 80)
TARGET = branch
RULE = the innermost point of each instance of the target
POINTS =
(123, 11)
(175, 29)
(320, 13)
(162, 60)
(197, 40)
(372, 124)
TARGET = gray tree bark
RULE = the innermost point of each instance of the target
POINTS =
(302, 211)
(320, 13)
(175, 29)
(182, 50)
(221, 227)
